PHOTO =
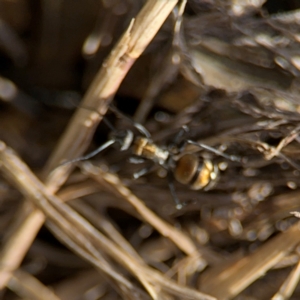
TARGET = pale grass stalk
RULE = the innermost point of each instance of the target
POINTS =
(80, 130)
(180, 239)
(82, 237)
(101, 222)
(16, 247)
(288, 287)
(28, 287)
(228, 283)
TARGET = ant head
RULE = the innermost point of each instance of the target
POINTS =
(123, 137)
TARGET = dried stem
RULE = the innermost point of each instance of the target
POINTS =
(80, 130)
(228, 283)
(28, 287)
(182, 241)
(81, 236)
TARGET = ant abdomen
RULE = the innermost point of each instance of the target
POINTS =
(197, 172)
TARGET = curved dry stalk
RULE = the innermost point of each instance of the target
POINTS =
(28, 287)
(18, 244)
(75, 140)
(80, 284)
(131, 45)
(284, 142)
(121, 284)
(100, 221)
(226, 284)
(69, 227)
(182, 241)
(168, 71)
(287, 288)
(82, 237)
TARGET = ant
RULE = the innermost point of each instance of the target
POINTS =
(187, 168)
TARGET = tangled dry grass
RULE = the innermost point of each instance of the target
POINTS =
(228, 70)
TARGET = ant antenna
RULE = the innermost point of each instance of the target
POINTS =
(92, 154)
(213, 150)
(138, 126)
(114, 109)
(108, 124)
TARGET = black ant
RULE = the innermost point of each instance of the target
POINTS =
(189, 169)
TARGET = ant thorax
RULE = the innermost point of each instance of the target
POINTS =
(145, 148)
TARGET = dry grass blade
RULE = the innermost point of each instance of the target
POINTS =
(225, 284)
(288, 139)
(80, 283)
(179, 238)
(220, 76)
(168, 71)
(63, 219)
(99, 221)
(28, 287)
(86, 240)
(92, 255)
(16, 247)
(234, 76)
(289, 285)
(76, 138)
(129, 48)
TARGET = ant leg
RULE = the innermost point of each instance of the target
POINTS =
(136, 160)
(138, 126)
(183, 130)
(213, 150)
(92, 154)
(178, 137)
(179, 205)
(143, 171)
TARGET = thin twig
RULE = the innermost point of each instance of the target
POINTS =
(80, 130)
(288, 287)
(28, 287)
(228, 283)
(81, 236)
(179, 238)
